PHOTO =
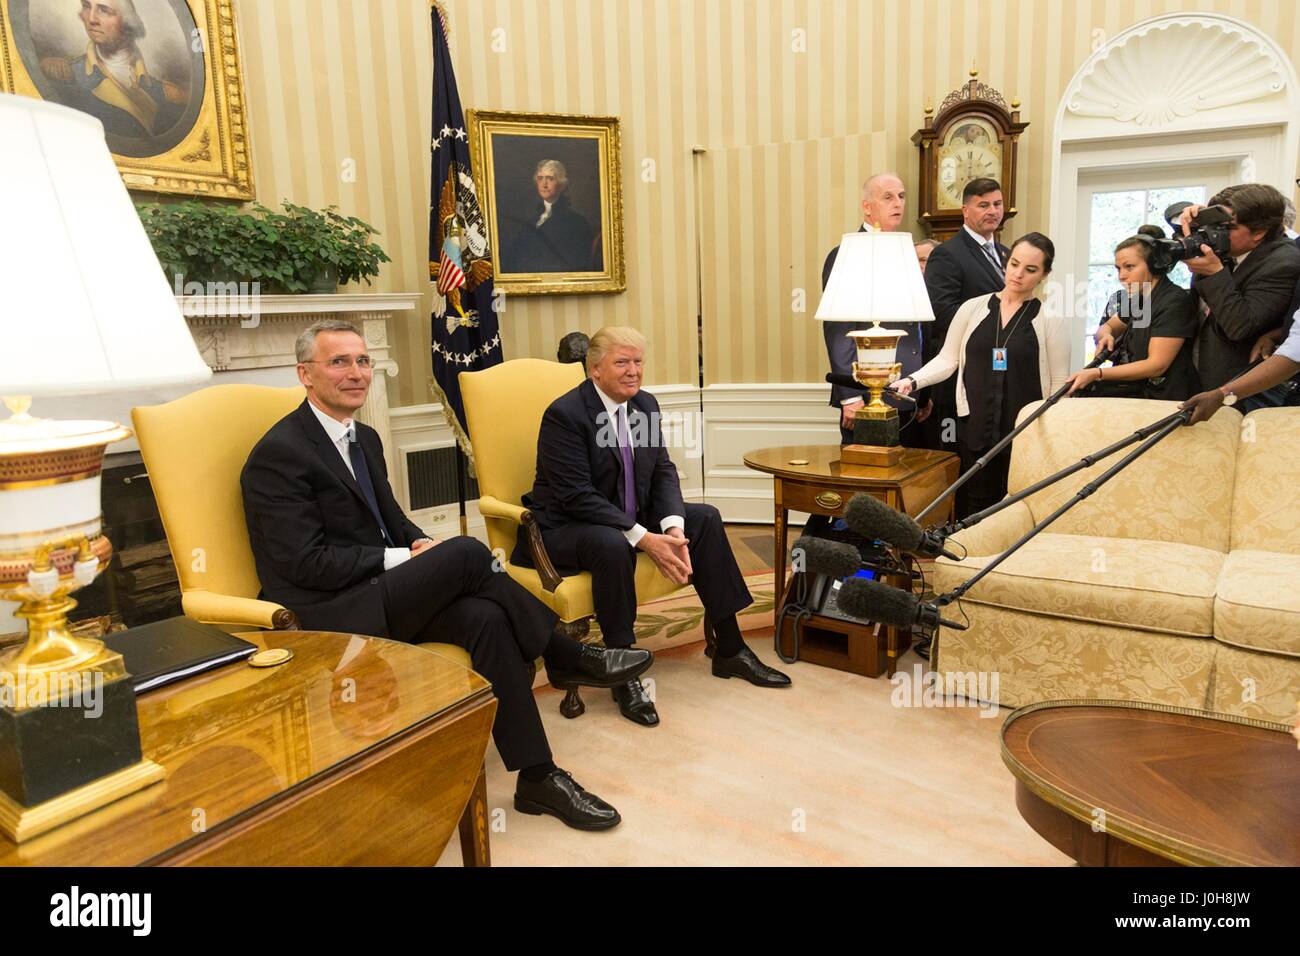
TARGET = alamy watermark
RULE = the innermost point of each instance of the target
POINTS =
(922, 688)
(243, 300)
(77, 690)
(683, 430)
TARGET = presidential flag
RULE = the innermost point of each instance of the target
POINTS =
(465, 334)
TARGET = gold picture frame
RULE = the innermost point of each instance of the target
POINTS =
(162, 75)
(539, 248)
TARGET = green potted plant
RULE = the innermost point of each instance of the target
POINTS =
(299, 250)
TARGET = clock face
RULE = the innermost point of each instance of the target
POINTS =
(970, 150)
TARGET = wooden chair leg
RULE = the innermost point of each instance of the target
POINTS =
(572, 705)
(474, 849)
(710, 642)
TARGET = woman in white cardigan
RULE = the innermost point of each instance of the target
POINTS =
(1007, 351)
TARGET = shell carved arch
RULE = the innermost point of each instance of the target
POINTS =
(1170, 69)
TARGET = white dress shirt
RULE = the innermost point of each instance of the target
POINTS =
(989, 244)
(637, 531)
(1290, 349)
(341, 433)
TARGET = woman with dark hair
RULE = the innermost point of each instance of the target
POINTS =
(1007, 351)
(1157, 319)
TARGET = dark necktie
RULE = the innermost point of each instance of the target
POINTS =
(362, 472)
(629, 477)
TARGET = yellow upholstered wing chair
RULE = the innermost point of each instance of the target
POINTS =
(503, 412)
(194, 449)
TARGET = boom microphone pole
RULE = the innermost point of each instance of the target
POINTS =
(1102, 356)
(875, 601)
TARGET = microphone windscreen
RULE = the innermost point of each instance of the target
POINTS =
(872, 518)
(873, 601)
(819, 556)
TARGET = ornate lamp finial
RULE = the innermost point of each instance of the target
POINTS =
(974, 70)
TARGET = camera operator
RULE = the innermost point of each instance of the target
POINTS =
(1158, 321)
(1277, 368)
(1248, 295)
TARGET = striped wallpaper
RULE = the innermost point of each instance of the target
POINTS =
(337, 80)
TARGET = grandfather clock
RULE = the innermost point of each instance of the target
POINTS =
(975, 134)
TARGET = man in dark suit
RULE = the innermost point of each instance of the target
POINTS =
(553, 237)
(332, 545)
(1250, 294)
(883, 202)
(971, 263)
(603, 476)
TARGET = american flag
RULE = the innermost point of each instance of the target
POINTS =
(450, 275)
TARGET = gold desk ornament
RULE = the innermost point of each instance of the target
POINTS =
(54, 767)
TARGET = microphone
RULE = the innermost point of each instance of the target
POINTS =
(874, 519)
(873, 601)
(831, 558)
(848, 381)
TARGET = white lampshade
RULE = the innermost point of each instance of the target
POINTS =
(876, 278)
(84, 304)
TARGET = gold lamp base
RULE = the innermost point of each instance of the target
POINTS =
(20, 823)
(881, 420)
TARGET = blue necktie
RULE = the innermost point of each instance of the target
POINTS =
(625, 450)
(362, 472)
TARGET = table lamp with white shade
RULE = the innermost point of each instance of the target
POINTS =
(876, 278)
(85, 309)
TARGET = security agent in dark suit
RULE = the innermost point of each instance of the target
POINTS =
(1249, 295)
(553, 237)
(883, 202)
(972, 263)
(604, 478)
(332, 544)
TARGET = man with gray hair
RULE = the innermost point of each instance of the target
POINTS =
(332, 544)
(883, 201)
(110, 80)
(553, 236)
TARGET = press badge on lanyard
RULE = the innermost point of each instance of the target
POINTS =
(999, 360)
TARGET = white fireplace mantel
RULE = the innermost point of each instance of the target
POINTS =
(251, 341)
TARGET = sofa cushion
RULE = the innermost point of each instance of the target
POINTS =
(1258, 602)
(1265, 509)
(1178, 491)
(1146, 585)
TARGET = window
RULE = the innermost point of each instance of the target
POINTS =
(1116, 216)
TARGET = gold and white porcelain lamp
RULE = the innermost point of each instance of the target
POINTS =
(876, 278)
(84, 309)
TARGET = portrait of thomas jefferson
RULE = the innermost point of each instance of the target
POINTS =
(549, 235)
(129, 63)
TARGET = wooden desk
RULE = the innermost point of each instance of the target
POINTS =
(359, 751)
(824, 486)
(1117, 783)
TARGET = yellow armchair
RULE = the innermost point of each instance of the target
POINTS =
(503, 413)
(194, 449)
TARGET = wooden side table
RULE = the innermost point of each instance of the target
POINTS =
(358, 751)
(813, 479)
(1120, 783)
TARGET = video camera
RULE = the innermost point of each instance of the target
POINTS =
(1210, 228)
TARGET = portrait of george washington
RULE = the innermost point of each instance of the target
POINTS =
(136, 65)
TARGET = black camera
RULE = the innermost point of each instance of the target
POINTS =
(1211, 228)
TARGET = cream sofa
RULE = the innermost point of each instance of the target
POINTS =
(1177, 583)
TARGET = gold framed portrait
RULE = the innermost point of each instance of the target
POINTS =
(552, 195)
(163, 76)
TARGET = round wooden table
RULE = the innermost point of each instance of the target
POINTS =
(1116, 783)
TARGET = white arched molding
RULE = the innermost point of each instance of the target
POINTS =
(1180, 87)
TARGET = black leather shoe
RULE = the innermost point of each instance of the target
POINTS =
(747, 665)
(561, 796)
(602, 667)
(635, 704)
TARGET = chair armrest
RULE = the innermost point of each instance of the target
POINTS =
(212, 608)
(490, 507)
(994, 534)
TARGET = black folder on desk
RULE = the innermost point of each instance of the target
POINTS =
(169, 650)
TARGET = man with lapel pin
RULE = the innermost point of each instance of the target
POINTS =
(603, 476)
(970, 264)
(332, 544)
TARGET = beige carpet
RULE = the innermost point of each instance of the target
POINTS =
(827, 773)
